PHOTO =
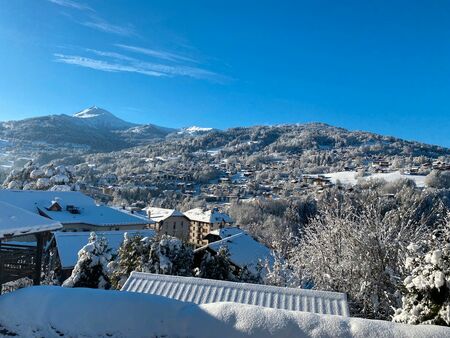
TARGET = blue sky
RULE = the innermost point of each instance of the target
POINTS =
(381, 66)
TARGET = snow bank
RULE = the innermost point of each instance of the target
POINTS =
(53, 311)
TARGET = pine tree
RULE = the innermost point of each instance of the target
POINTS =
(427, 288)
(170, 256)
(216, 266)
(91, 270)
(132, 256)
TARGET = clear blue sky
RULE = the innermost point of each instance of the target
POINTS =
(382, 66)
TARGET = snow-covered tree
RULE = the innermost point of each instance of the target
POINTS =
(216, 266)
(131, 256)
(91, 270)
(170, 256)
(357, 244)
(427, 287)
(165, 255)
(278, 272)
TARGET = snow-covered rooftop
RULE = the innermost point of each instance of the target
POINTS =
(89, 212)
(46, 311)
(244, 250)
(204, 291)
(160, 214)
(69, 243)
(208, 216)
(15, 221)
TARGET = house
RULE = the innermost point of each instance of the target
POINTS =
(64, 246)
(203, 221)
(169, 222)
(204, 291)
(244, 251)
(74, 210)
(23, 259)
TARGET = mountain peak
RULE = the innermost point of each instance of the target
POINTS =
(92, 112)
(101, 118)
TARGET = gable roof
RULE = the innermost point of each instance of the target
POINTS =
(204, 291)
(69, 243)
(244, 250)
(36, 201)
(15, 221)
(208, 216)
(161, 214)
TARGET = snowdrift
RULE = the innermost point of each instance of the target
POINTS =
(54, 311)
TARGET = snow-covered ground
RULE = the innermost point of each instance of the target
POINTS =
(54, 312)
(194, 130)
(350, 177)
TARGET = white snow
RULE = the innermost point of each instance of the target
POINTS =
(194, 130)
(244, 250)
(54, 311)
(15, 221)
(90, 212)
(98, 117)
(208, 216)
(160, 214)
(351, 178)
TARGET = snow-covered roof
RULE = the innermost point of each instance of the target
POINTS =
(15, 221)
(244, 250)
(208, 216)
(203, 291)
(50, 311)
(160, 214)
(90, 213)
(69, 243)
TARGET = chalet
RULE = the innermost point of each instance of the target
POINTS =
(244, 251)
(204, 291)
(169, 222)
(74, 210)
(62, 250)
(440, 165)
(317, 180)
(380, 165)
(20, 259)
(203, 221)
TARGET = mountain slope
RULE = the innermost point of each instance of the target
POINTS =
(93, 129)
(100, 118)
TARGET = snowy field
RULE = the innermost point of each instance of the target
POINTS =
(59, 312)
(350, 177)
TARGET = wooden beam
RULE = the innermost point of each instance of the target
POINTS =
(39, 250)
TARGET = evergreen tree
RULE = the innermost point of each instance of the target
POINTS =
(170, 256)
(91, 270)
(427, 287)
(132, 256)
(216, 266)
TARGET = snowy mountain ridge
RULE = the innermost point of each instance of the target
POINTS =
(101, 118)
(194, 130)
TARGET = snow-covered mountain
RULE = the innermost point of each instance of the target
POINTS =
(101, 118)
(92, 129)
(194, 130)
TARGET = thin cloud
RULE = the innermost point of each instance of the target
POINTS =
(72, 4)
(160, 54)
(113, 55)
(123, 63)
(102, 65)
(104, 26)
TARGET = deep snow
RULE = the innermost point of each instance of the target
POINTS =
(54, 311)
